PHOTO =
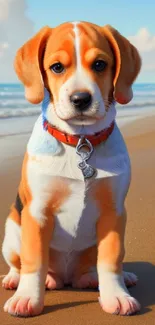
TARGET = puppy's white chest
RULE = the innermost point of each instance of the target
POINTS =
(75, 224)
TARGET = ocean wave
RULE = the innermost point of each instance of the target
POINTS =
(31, 111)
(18, 94)
(11, 103)
(9, 112)
(23, 104)
(138, 104)
(11, 93)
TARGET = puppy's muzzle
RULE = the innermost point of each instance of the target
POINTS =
(81, 100)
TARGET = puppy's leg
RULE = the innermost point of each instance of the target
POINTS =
(29, 297)
(11, 249)
(86, 272)
(114, 296)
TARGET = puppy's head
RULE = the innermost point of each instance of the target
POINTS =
(84, 68)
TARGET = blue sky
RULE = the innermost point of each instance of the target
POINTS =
(133, 18)
(126, 16)
(21, 19)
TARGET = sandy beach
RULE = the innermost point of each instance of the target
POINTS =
(71, 307)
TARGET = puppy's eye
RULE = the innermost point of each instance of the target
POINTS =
(57, 67)
(99, 65)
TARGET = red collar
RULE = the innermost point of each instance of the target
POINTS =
(72, 140)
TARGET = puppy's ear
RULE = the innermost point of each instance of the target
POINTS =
(27, 65)
(127, 64)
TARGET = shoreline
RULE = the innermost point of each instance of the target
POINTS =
(24, 124)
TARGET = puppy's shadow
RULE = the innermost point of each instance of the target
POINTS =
(66, 305)
(144, 291)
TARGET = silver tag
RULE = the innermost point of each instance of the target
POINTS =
(87, 170)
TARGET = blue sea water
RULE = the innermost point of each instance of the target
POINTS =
(14, 104)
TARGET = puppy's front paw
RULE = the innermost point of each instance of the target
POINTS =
(121, 304)
(114, 296)
(23, 306)
(28, 300)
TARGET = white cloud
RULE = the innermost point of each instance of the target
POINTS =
(145, 43)
(15, 29)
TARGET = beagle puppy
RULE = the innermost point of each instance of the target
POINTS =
(67, 224)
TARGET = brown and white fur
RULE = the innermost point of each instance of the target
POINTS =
(63, 230)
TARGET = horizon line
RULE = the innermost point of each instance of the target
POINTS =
(19, 83)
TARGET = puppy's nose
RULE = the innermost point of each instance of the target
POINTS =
(81, 100)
